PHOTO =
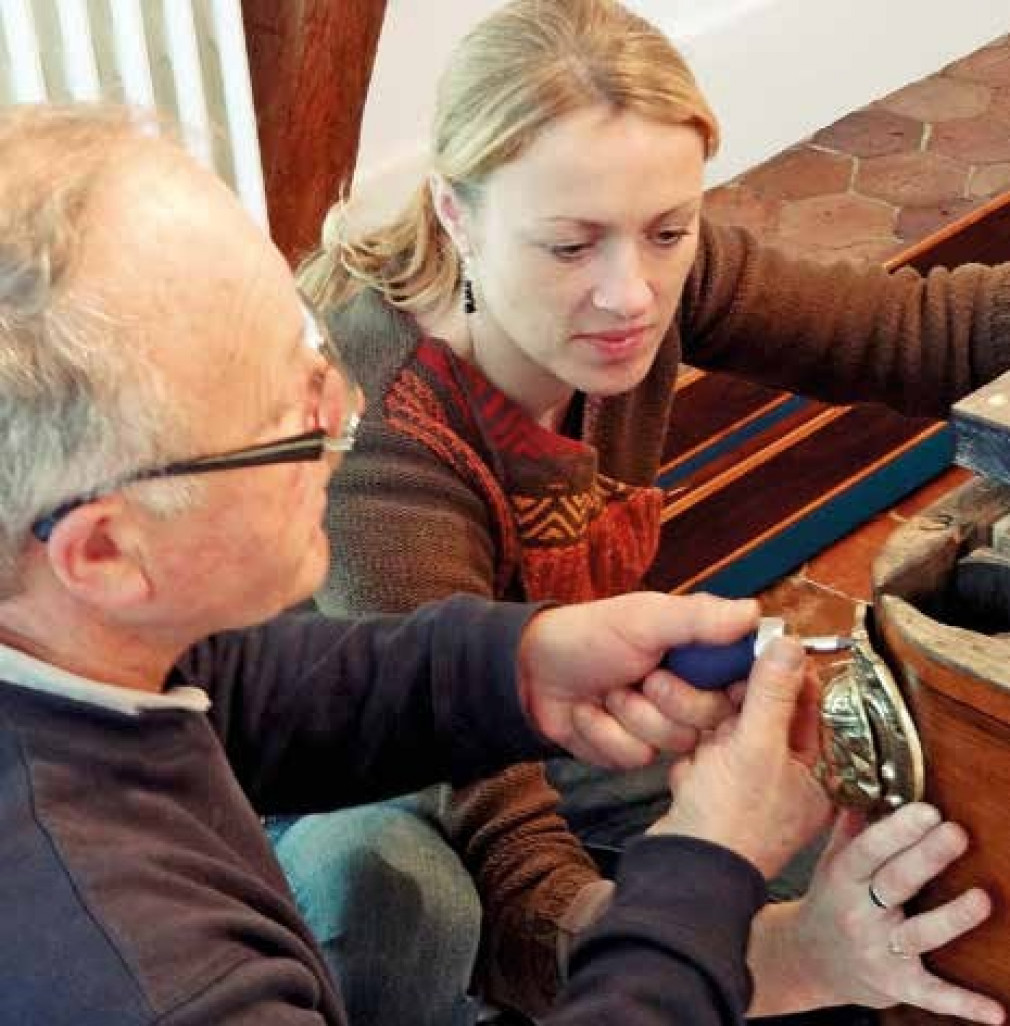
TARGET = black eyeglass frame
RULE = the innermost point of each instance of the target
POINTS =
(302, 448)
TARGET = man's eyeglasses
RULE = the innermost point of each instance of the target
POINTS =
(338, 416)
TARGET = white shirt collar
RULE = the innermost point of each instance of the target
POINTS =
(25, 671)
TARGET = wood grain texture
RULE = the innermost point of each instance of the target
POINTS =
(311, 63)
(968, 776)
(982, 430)
(957, 686)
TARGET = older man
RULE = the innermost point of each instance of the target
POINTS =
(170, 418)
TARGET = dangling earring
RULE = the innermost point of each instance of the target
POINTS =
(469, 299)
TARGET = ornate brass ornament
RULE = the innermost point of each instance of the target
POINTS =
(871, 756)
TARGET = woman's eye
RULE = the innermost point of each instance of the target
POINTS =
(669, 236)
(569, 250)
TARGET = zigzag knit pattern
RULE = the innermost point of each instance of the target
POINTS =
(579, 534)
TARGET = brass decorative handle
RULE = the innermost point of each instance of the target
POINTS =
(871, 755)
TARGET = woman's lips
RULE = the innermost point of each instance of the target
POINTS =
(616, 344)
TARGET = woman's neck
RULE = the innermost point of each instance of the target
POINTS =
(478, 341)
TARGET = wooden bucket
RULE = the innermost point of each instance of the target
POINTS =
(956, 682)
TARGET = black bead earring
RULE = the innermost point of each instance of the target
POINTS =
(469, 302)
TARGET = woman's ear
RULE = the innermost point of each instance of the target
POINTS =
(449, 211)
(95, 554)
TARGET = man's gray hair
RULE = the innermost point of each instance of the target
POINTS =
(80, 404)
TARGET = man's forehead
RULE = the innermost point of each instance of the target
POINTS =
(156, 186)
(172, 250)
(175, 234)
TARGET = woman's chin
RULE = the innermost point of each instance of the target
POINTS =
(615, 379)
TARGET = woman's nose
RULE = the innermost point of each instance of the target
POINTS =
(623, 288)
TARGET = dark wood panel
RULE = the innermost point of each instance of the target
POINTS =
(311, 63)
(825, 451)
(730, 400)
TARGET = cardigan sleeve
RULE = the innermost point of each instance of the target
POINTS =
(411, 521)
(845, 332)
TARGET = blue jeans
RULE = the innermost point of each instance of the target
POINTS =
(397, 913)
(394, 909)
(605, 809)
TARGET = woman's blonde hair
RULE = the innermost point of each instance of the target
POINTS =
(518, 71)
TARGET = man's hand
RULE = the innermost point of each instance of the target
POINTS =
(580, 668)
(750, 786)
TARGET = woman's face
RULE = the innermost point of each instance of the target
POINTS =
(579, 253)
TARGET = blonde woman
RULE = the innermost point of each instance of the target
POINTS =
(518, 331)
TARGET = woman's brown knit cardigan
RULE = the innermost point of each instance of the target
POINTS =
(454, 488)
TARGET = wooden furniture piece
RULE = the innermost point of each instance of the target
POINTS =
(956, 682)
(939, 612)
(310, 63)
(758, 481)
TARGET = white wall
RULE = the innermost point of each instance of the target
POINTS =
(774, 70)
(778, 70)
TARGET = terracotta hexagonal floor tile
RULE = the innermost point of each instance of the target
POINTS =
(911, 179)
(939, 98)
(999, 106)
(740, 205)
(990, 65)
(918, 222)
(799, 173)
(989, 180)
(836, 222)
(984, 140)
(872, 133)
(869, 251)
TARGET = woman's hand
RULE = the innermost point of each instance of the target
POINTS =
(842, 947)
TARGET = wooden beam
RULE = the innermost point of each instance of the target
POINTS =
(311, 63)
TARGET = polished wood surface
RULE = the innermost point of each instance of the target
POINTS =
(311, 64)
(957, 686)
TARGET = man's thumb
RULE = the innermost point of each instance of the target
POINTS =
(773, 690)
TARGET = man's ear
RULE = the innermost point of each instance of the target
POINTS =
(95, 552)
(450, 212)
